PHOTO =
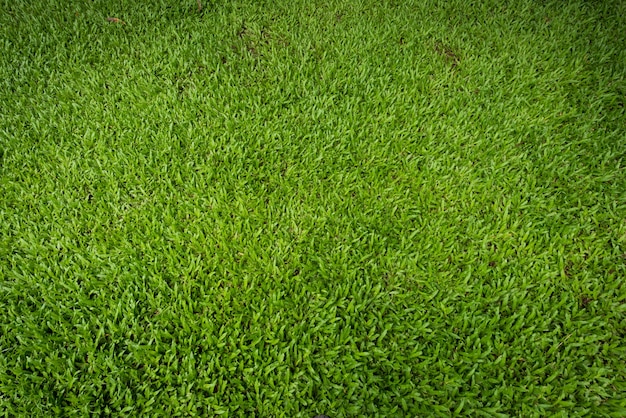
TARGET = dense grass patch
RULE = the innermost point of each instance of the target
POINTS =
(285, 208)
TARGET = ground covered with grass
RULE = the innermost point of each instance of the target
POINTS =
(286, 208)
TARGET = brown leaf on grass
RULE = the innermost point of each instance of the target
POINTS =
(115, 20)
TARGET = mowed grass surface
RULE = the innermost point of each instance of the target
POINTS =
(285, 208)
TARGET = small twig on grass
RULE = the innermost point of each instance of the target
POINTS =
(199, 6)
(115, 20)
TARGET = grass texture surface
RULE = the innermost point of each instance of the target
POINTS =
(288, 208)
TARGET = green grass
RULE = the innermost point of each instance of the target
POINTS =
(287, 208)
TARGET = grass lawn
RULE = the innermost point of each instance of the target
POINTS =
(288, 208)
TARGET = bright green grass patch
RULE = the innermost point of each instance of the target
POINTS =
(357, 208)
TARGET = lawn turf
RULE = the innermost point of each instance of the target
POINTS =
(288, 208)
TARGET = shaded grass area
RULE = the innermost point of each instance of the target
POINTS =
(354, 208)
